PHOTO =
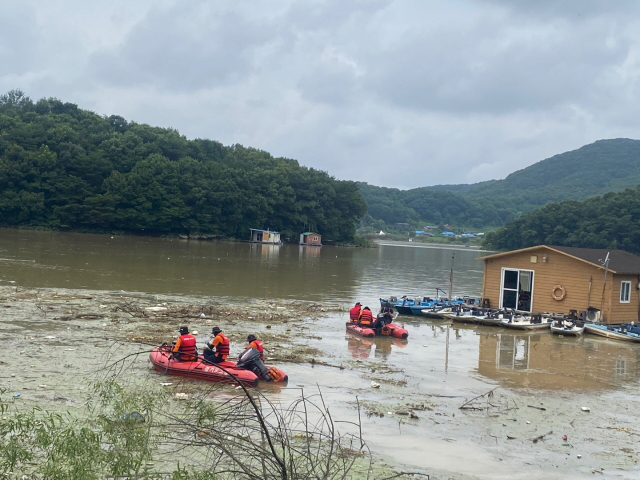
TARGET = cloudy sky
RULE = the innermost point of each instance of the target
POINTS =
(402, 93)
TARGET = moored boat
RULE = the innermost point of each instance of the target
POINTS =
(527, 322)
(414, 306)
(569, 327)
(462, 314)
(624, 332)
(164, 361)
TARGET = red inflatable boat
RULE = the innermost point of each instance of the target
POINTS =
(163, 361)
(390, 330)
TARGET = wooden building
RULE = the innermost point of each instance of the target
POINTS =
(311, 239)
(562, 279)
(265, 236)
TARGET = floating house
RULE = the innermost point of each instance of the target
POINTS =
(597, 284)
(310, 239)
(265, 236)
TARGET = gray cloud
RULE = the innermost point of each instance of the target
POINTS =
(403, 93)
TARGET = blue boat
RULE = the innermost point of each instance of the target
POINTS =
(627, 332)
(415, 306)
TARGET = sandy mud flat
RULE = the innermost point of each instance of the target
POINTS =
(55, 340)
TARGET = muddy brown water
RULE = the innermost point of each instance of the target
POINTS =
(540, 382)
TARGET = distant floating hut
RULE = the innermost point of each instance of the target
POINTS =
(265, 236)
(311, 239)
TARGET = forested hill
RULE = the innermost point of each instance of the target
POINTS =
(595, 169)
(64, 167)
(609, 221)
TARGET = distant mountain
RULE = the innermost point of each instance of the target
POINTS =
(595, 169)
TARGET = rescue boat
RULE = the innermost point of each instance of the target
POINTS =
(224, 372)
(389, 330)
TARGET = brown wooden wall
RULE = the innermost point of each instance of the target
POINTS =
(624, 311)
(573, 274)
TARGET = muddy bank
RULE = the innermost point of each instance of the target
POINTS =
(57, 340)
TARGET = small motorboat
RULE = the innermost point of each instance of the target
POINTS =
(164, 361)
(567, 326)
(414, 306)
(627, 332)
(389, 330)
(462, 314)
(527, 322)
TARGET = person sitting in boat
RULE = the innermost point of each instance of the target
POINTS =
(185, 347)
(218, 349)
(354, 313)
(387, 313)
(257, 344)
(366, 317)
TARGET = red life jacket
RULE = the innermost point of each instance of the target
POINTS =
(354, 313)
(187, 347)
(222, 349)
(366, 317)
(257, 344)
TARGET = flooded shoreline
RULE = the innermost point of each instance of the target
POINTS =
(413, 421)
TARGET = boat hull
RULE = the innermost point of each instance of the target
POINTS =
(224, 372)
(603, 331)
(473, 320)
(526, 325)
(572, 332)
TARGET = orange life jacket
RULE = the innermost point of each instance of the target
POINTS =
(257, 344)
(366, 317)
(222, 348)
(354, 313)
(187, 347)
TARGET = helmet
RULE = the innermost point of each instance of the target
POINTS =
(184, 330)
(216, 330)
(251, 338)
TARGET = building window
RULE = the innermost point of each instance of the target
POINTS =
(625, 292)
(517, 289)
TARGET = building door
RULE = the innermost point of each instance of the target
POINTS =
(517, 289)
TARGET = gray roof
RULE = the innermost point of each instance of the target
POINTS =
(619, 260)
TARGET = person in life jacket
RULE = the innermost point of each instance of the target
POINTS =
(218, 349)
(185, 346)
(354, 313)
(385, 316)
(366, 317)
(257, 344)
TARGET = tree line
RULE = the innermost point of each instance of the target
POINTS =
(63, 167)
(608, 221)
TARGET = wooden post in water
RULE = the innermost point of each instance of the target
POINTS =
(451, 279)
(604, 284)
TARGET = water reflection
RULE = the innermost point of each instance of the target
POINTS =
(546, 361)
(266, 253)
(308, 251)
(361, 347)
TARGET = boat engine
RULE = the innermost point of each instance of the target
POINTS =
(250, 360)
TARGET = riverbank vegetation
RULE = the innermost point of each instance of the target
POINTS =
(151, 432)
(609, 221)
(62, 167)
